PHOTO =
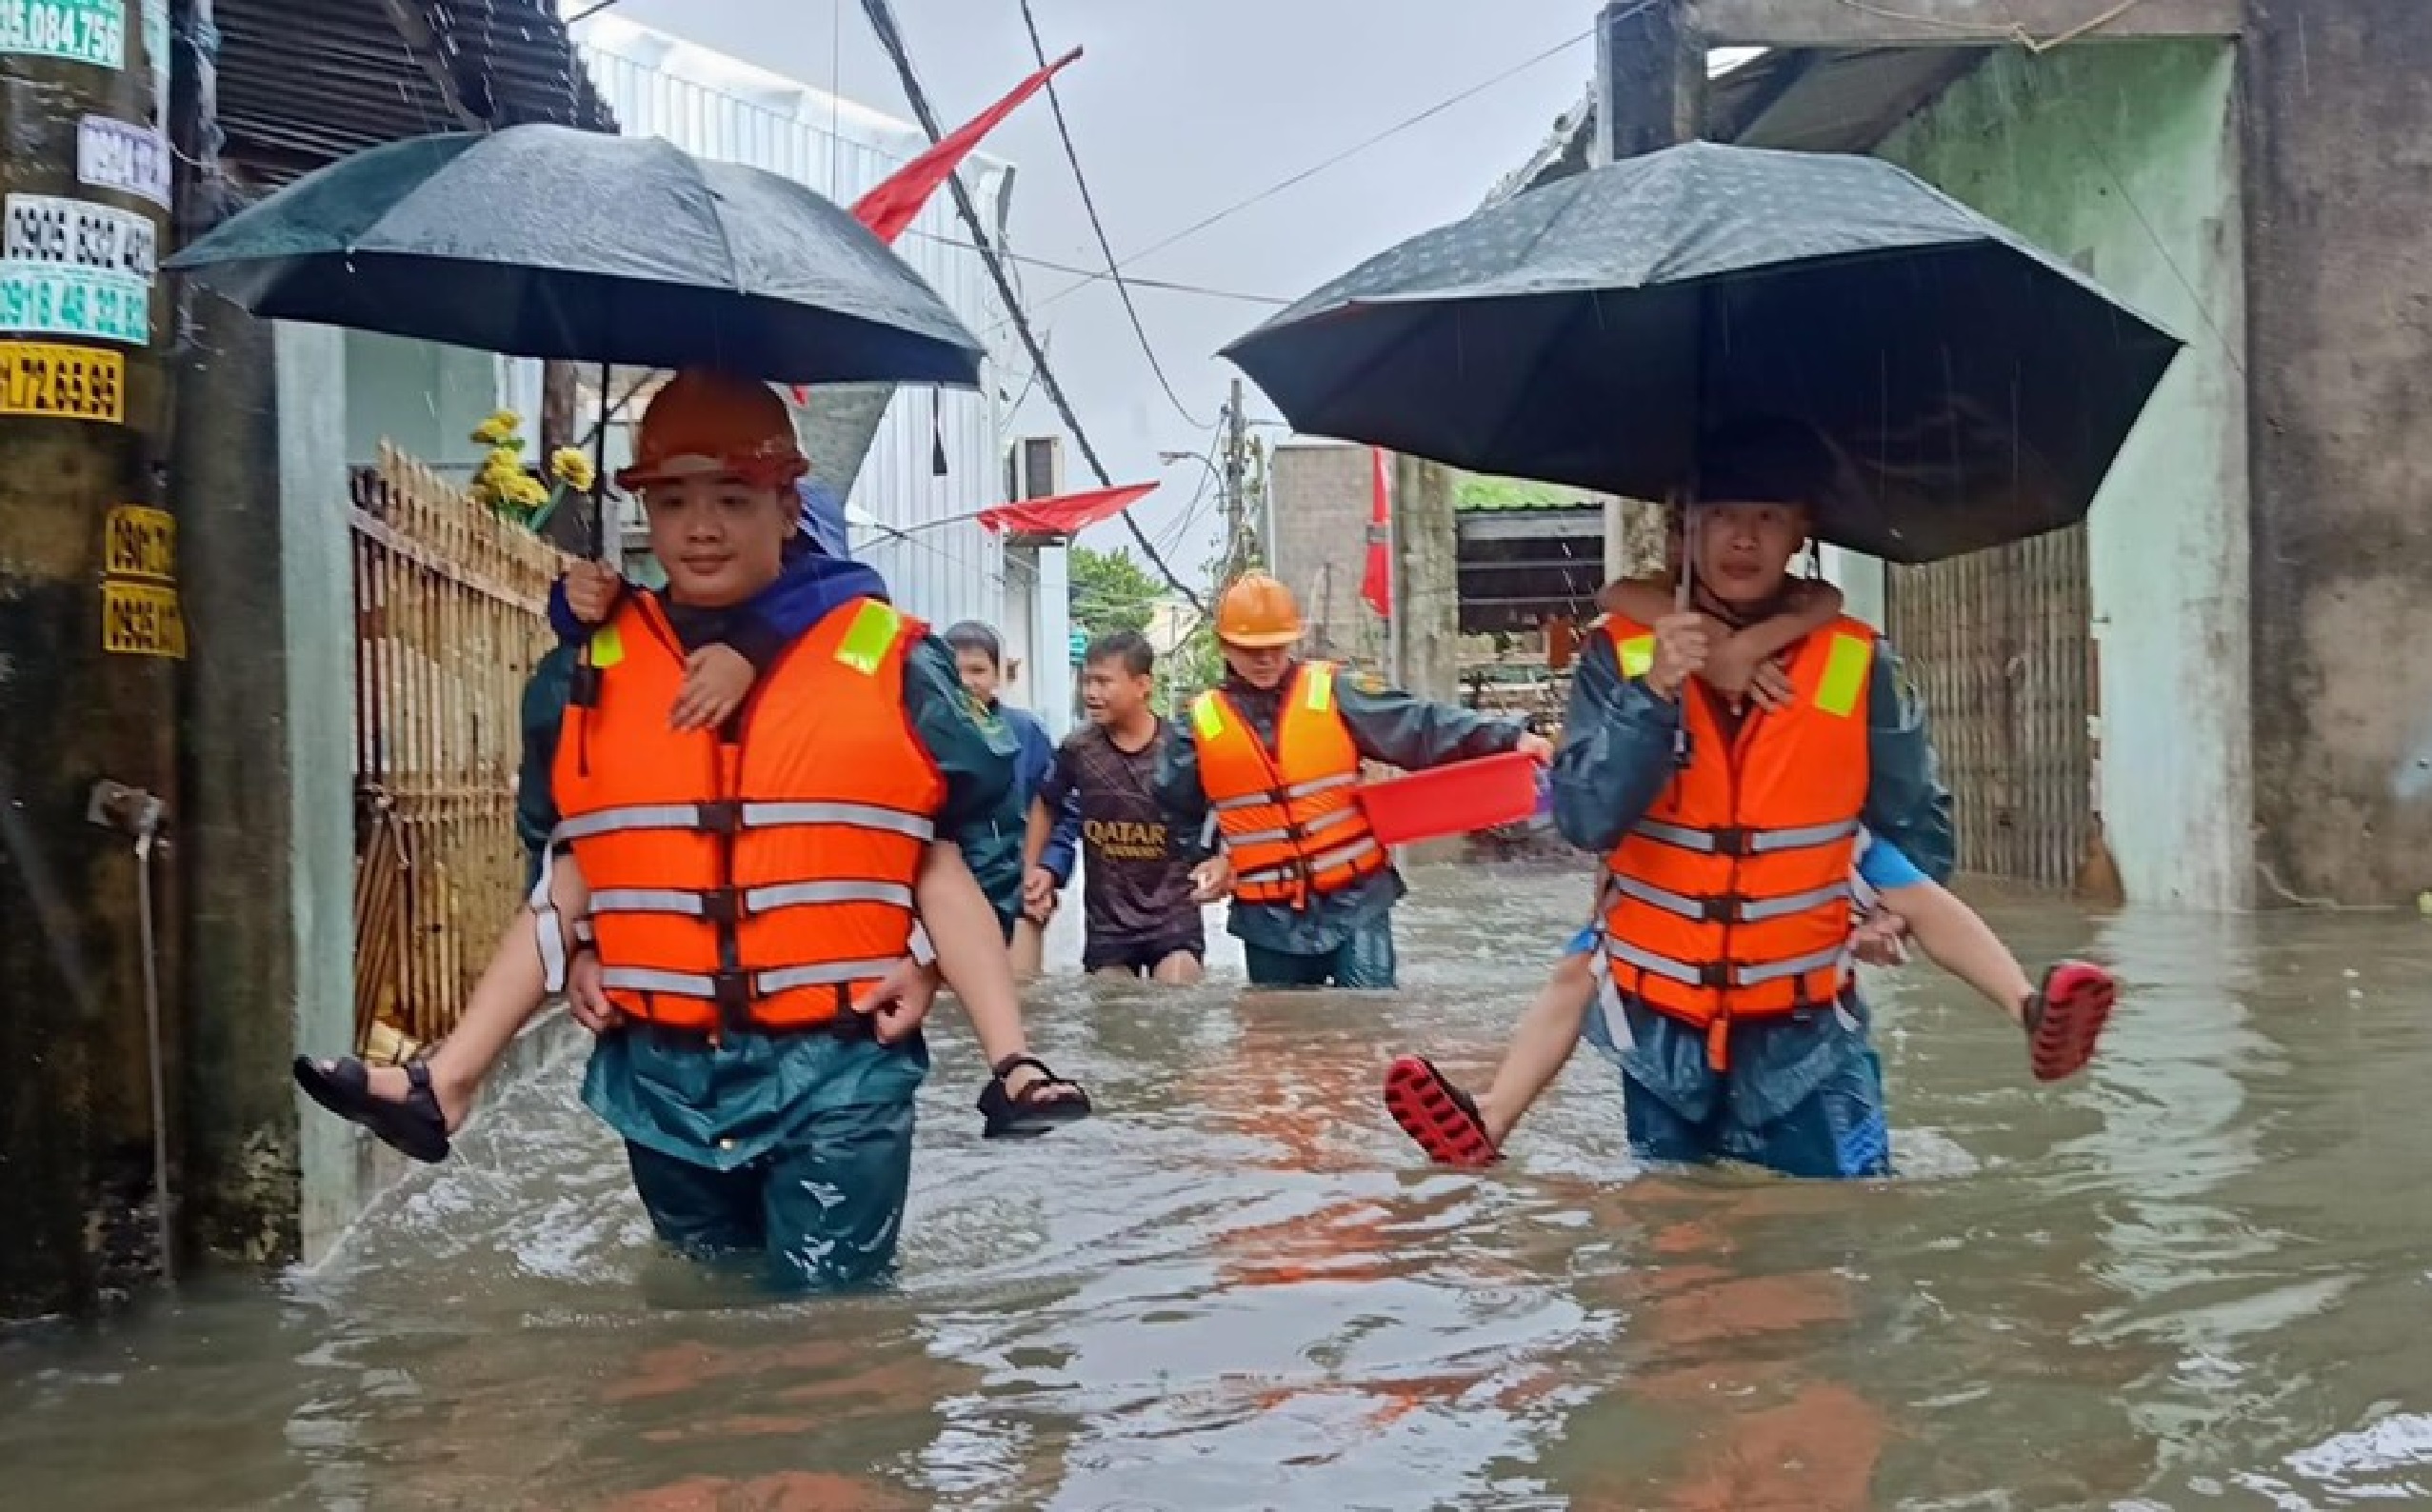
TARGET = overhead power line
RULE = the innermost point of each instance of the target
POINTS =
(1337, 160)
(1089, 203)
(882, 20)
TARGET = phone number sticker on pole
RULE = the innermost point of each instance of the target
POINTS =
(72, 269)
(66, 383)
(142, 619)
(114, 155)
(91, 32)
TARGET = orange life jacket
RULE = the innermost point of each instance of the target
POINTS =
(1291, 818)
(1729, 899)
(758, 881)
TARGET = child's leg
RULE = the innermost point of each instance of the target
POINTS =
(1458, 1129)
(971, 956)
(1541, 1047)
(510, 991)
(1956, 938)
(2063, 1014)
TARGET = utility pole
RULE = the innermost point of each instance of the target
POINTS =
(90, 631)
(1650, 94)
(1236, 471)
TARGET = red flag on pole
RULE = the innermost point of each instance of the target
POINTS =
(889, 209)
(892, 205)
(1067, 514)
(1375, 584)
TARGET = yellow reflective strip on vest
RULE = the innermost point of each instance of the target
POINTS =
(607, 646)
(1321, 694)
(1206, 720)
(1844, 676)
(1637, 655)
(873, 630)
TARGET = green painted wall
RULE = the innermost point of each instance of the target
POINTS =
(2124, 156)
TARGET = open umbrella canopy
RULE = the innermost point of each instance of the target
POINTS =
(542, 241)
(1971, 390)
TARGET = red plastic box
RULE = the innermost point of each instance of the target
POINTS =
(1455, 800)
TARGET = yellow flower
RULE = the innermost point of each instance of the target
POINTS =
(572, 468)
(499, 429)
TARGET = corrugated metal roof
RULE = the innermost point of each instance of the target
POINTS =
(303, 83)
(1483, 495)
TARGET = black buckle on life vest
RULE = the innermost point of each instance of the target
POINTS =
(582, 690)
(1714, 975)
(720, 817)
(1732, 842)
(722, 905)
(1723, 907)
(731, 991)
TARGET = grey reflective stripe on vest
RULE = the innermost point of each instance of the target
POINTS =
(1227, 806)
(1777, 970)
(1757, 911)
(689, 984)
(1761, 842)
(1321, 861)
(805, 894)
(835, 973)
(633, 816)
(648, 900)
(1307, 789)
(1741, 976)
(1750, 910)
(756, 900)
(755, 816)
(1308, 831)
(858, 816)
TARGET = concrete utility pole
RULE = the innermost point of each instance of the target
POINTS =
(1650, 94)
(1236, 471)
(90, 631)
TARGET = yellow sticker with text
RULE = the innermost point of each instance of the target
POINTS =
(140, 543)
(142, 619)
(66, 383)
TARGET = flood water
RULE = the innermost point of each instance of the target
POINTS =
(2199, 1277)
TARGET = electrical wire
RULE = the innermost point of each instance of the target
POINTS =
(1340, 157)
(882, 20)
(1089, 203)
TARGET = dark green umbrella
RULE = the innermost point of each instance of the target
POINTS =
(541, 241)
(1972, 391)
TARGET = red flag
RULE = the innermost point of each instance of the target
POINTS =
(1065, 514)
(892, 207)
(1375, 584)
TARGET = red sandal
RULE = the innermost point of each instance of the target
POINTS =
(2066, 1017)
(1441, 1118)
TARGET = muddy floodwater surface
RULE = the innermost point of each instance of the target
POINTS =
(2200, 1276)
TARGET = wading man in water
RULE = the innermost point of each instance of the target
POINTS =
(1724, 927)
(750, 884)
(1275, 754)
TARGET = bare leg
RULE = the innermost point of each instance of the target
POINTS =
(971, 956)
(1956, 938)
(1542, 1044)
(1030, 950)
(512, 988)
(1180, 969)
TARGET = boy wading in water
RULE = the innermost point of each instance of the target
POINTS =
(755, 891)
(1142, 913)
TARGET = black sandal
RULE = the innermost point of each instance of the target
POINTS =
(415, 1128)
(1033, 1113)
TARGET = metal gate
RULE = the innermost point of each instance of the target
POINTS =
(449, 617)
(1998, 643)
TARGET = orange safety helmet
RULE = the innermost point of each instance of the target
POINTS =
(1257, 612)
(706, 422)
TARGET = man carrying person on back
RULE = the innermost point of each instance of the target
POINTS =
(1142, 916)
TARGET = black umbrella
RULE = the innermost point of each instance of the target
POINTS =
(1972, 391)
(542, 241)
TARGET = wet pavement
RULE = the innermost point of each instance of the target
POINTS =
(2198, 1277)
